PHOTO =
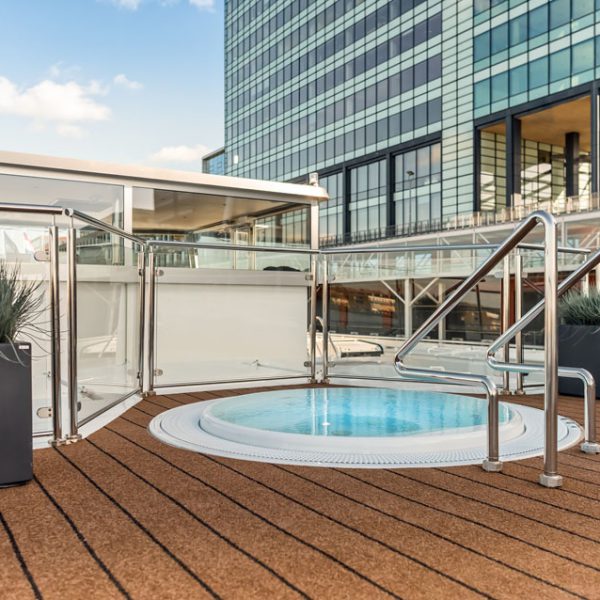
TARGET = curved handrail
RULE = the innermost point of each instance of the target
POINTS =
(590, 444)
(492, 463)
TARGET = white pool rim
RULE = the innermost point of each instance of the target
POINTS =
(523, 438)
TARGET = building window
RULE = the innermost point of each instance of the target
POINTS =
(417, 193)
(368, 185)
(331, 213)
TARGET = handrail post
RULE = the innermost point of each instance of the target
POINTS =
(57, 426)
(151, 321)
(141, 265)
(505, 321)
(313, 317)
(550, 476)
(518, 314)
(72, 324)
(325, 318)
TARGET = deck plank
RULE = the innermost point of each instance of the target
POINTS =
(122, 515)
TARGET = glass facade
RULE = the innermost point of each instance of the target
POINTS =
(365, 92)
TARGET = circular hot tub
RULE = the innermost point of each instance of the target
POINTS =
(356, 427)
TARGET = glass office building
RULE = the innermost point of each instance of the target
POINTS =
(214, 162)
(415, 112)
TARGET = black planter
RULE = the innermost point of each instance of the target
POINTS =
(578, 346)
(16, 447)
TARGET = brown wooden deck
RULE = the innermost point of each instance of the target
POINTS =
(122, 515)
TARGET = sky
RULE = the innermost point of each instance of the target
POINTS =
(123, 81)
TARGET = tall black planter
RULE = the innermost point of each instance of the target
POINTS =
(16, 448)
(578, 346)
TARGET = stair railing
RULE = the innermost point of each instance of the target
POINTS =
(492, 461)
(590, 444)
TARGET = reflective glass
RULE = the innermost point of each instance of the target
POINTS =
(583, 56)
(538, 21)
(560, 64)
(560, 13)
(518, 80)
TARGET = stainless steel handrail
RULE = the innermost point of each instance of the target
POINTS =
(443, 248)
(590, 444)
(227, 246)
(70, 212)
(492, 462)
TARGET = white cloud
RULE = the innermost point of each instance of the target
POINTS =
(51, 101)
(180, 154)
(127, 4)
(203, 4)
(122, 80)
(66, 105)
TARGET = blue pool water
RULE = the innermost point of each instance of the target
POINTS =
(356, 412)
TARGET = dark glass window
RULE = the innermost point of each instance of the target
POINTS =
(482, 46)
(420, 32)
(435, 67)
(407, 120)
(499, 86)
(560, 13)
(482, 93)
(518, 80)
(538, 72)
(420, 73)
(583, 56)
(434, 111)
(582, 8)
(518, 30)
(538, 21)
(420, 116)
(560, 64)
(499, 39)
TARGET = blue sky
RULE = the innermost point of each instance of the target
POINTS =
(127, 81)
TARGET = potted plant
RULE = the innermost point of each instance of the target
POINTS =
(19, 304)
(579, 339)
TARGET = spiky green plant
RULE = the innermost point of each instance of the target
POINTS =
(20, 302)
(577, 308)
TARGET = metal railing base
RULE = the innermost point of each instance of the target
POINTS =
(148, 394)
(492, 466)
(551, 481)
(590, 447)
(66, 441)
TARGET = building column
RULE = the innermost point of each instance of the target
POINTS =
(391, 207)
(595, 136)
(572, 163)
(346, 223)
(513, 160)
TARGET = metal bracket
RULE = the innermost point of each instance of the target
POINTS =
(158, 372)
(45, 412)
(41, 256)
(66, 441)
(148, 394)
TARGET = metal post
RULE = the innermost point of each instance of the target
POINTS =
(442, 326)
(505, 321)
(142, 316)
(585, 285)
(55, 336)
(518, 314)
(151, 316)
(325, 318)
(313, 318)
(408, 322)
(314, 266)
(72, 324)
(550, 476)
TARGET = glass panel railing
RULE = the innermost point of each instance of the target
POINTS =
(108, 316)
(23, 245)
(246, 321)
